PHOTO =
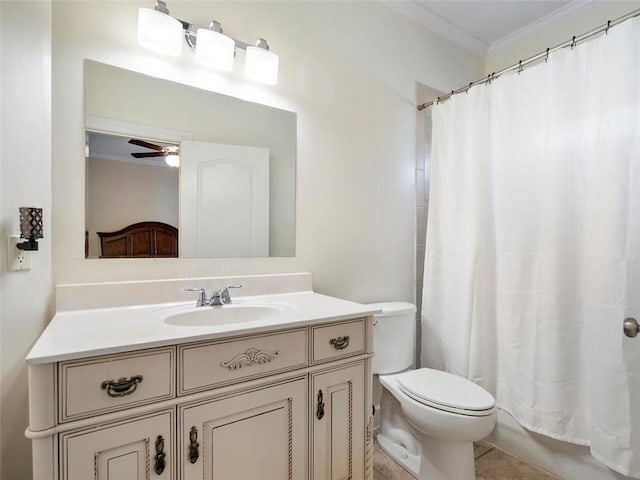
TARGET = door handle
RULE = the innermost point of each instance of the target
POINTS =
(630, 327)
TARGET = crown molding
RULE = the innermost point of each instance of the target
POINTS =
(572, 9)
(438, 25)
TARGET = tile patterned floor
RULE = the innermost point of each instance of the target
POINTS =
(491, 464)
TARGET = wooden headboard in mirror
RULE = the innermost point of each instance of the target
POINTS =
(140, 240)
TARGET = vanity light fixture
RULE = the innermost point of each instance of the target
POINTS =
(160, 32)
(214, 48)
(261, 64)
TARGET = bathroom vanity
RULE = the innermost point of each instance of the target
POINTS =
(270, 387)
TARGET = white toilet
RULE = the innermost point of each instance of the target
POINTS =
(429, 419)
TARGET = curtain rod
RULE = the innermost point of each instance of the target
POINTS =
(545, 54)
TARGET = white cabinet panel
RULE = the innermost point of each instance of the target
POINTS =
(129, 450)
(124, 463)
(258, 435)
(263, 438)
(338, 424)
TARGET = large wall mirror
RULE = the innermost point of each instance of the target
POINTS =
(172, 170)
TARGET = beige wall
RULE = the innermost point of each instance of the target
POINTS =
(25, 179)
(151, 196)
(559, 32)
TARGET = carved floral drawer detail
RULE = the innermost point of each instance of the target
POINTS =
(204, 365)
(253, 356)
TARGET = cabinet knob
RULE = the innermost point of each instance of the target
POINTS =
(320, 408)
(194, 454)
(160, 463)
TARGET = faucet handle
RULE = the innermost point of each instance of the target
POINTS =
(226, 298)
(202, 298)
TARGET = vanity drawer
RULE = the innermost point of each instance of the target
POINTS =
(99, 385)
(337, 340)
(204, 366)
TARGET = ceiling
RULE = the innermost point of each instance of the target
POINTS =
(485, 27)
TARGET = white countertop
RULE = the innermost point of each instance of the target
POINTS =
(100, 331)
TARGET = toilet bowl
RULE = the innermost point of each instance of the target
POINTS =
(429, 418)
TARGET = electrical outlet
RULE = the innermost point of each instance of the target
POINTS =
(17, 259)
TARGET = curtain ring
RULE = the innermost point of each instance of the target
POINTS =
(467, 90)
(546, 57)
(488, 80)
(573, 42)
(606, 30)
(520, 69)
(437, 100)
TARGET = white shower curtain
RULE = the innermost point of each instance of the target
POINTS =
(533, 244)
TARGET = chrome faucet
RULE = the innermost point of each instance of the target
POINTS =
(202, 298)
(222, 297)
(219, 297)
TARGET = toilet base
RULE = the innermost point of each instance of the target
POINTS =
(442, 460)
(411, 463)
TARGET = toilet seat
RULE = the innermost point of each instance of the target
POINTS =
(447, 392)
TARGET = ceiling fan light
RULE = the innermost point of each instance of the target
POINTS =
(159, 32)
(215, 49)
(261, 65)
(173, 160)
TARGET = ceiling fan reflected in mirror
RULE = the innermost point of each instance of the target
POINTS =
(170, 153)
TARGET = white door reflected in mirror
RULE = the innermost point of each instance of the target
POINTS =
(224, 199)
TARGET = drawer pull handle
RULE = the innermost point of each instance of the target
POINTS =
(160, 463)
(122, 387)
(320, 408)
(340, 343)
(251, 357)
(194, 454)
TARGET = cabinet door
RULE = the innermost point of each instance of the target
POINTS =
(338, 424)
(258, 435)
(140, 449)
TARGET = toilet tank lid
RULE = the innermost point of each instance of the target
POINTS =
(392, 308)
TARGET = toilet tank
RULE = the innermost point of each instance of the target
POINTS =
(394, 335)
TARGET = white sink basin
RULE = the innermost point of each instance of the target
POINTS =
(223, 315)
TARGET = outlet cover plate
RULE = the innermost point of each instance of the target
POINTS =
(18, 260)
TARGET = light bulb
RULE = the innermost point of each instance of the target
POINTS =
(215, 49)
(173, 160)
(261, 65)
(159, 32)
